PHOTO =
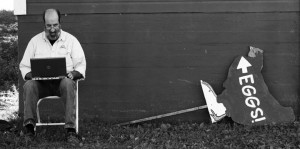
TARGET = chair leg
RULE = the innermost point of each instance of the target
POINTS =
(39, 123)
(77, 109)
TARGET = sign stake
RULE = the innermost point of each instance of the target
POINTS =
(163, 115)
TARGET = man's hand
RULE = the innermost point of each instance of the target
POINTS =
(74, 75)
(28, 76)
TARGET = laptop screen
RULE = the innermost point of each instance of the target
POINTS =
(48, 67)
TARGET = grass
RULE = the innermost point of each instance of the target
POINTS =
(97, 134)
(152, 134)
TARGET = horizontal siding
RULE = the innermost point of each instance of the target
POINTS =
(185, 22)
(189, 28)
(35, 7)
(127, 1)
(149, 59)
(200, 38)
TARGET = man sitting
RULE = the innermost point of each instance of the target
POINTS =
(53, 42)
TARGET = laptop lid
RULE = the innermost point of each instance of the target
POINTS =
(48, 67)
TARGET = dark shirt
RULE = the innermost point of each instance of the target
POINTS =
(52, 41)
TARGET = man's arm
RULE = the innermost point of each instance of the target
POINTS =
(25, 66)
(79, 61)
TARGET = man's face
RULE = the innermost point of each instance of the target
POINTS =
(52, 26)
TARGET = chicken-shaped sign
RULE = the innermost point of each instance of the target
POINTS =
(246, 97)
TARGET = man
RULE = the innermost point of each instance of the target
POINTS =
(52, 42)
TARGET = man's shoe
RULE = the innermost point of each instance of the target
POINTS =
(29, 137)
(29, 133)
(72, 138)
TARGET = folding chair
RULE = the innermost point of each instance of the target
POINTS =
(39, 123)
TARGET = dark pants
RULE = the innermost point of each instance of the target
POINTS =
(35, 90)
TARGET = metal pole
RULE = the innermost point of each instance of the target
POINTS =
(163, 115)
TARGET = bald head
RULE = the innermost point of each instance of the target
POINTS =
(51, 13)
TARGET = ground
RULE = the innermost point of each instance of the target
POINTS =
(97, 134)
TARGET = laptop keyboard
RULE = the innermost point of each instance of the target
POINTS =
(49, 78)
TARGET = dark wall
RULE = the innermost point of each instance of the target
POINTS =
(146, 57)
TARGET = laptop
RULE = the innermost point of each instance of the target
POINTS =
(48, 68)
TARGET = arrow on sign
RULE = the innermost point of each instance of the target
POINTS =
(243, 64)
